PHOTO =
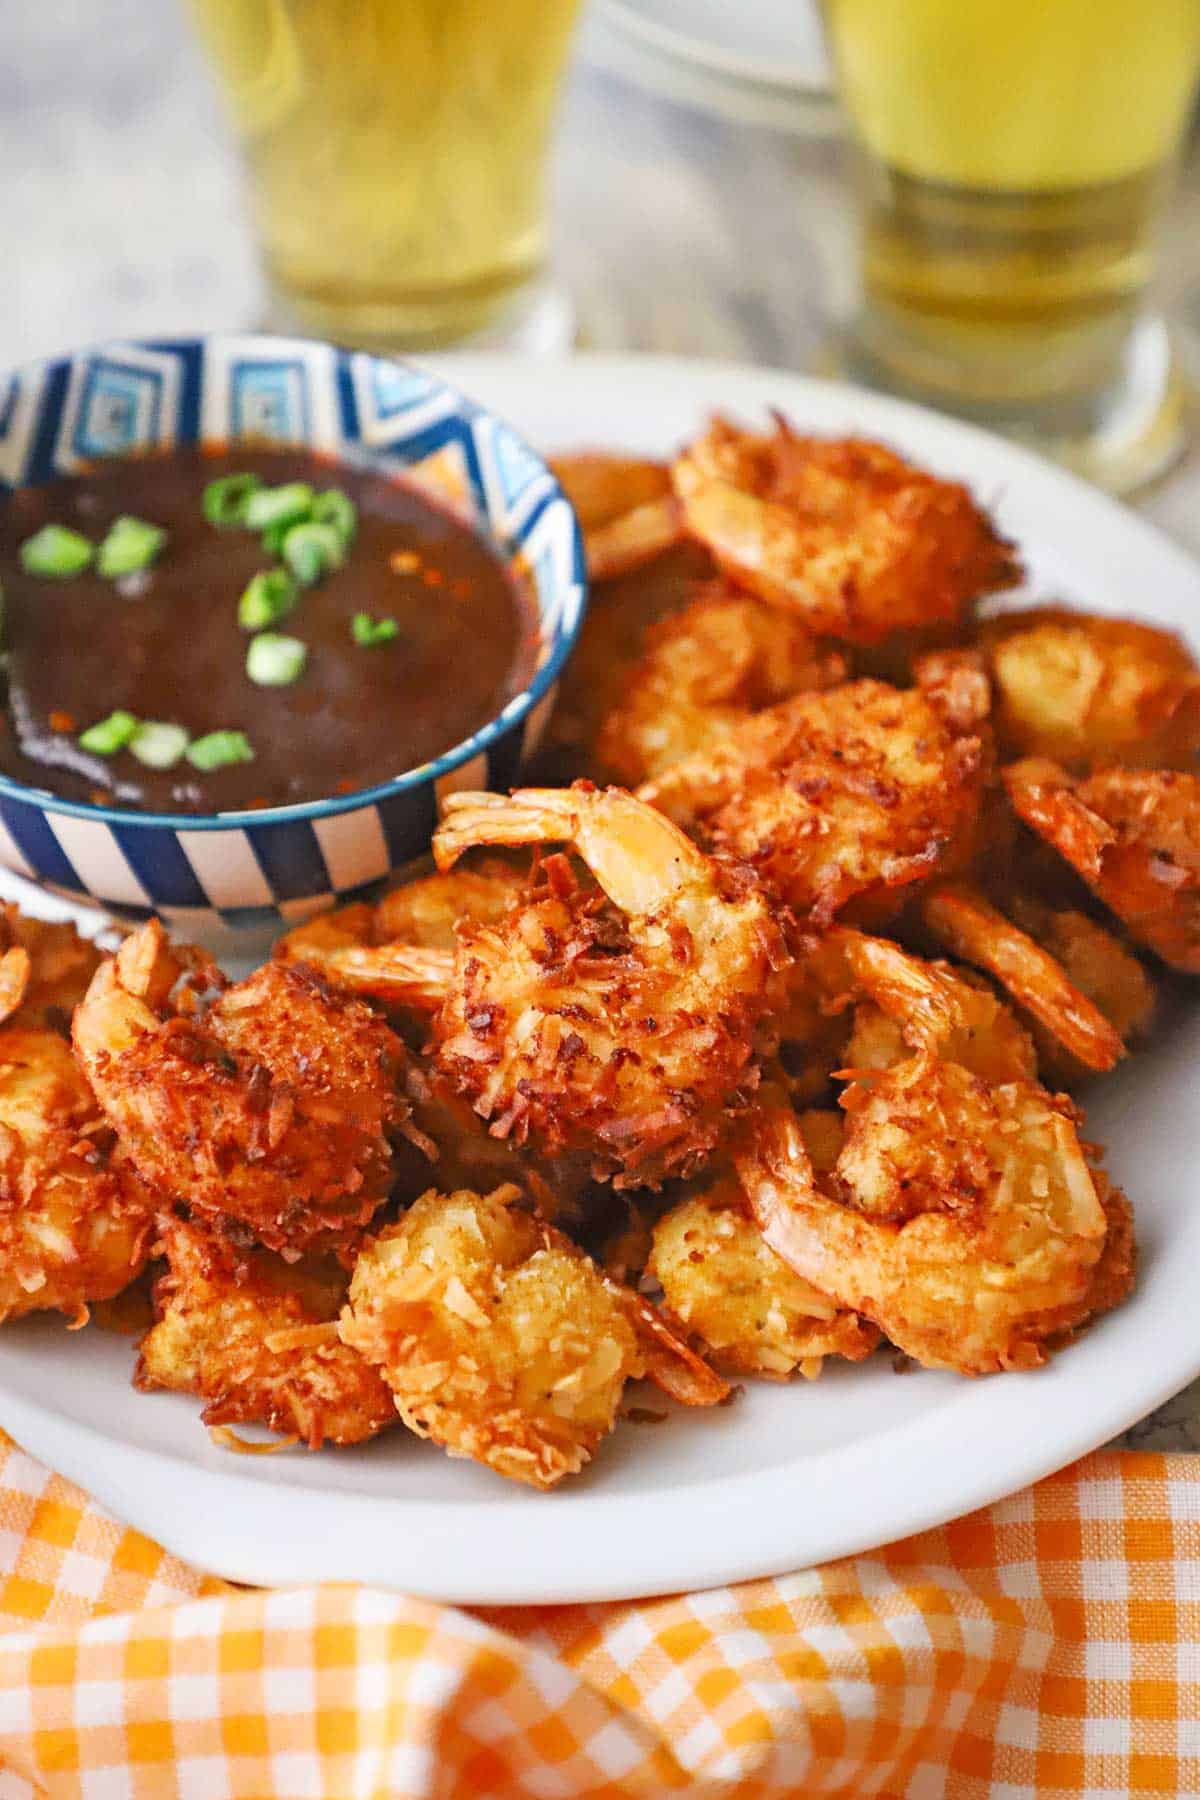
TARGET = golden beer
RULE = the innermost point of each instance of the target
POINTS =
(1014, 158)
(396, 152)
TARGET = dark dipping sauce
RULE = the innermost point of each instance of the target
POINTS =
(165, 644)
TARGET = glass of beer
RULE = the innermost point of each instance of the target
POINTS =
(396, 153)
(1013, 161)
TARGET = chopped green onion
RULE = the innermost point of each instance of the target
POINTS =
(369, 632)
(157, 744)
(109, 735)
(131, 545)
(337, 509)
(311, 551)
(274, 660)
(272, 538)
(269, 596)
(225, 499)
(219, 749)
(285, 505)
(56, 551)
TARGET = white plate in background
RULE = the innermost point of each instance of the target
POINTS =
(788, 1475)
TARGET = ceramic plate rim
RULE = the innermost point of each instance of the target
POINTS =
(602, 1543)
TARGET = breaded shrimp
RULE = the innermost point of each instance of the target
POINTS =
(45, 967)
(75, 1221)
(1086, 690)
(1134, 837)
(754, 1315)
(274, 1107)
(703, 670)
(1101, 967)
(257, 1338)
(845, 533)
(625, 506)
(627, 1036)
(836, 799)
(497, 1343)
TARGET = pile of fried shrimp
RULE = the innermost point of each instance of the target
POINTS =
(754, 1030)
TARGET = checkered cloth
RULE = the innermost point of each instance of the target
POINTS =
(1047, 1647)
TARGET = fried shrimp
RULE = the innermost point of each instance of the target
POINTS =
(628, 1033)
(1099, 965)
(625, 506)
(257, 1339)
(1134, 837)
(75, 1222)
(45, 967)
(838, 799)
(1086, 690)
(273, 1107)
(967, 1224)
(973, 929)
(754, 1314)
(703, 670)
(498, 1344)
(846, 534)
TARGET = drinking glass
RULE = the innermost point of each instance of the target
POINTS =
(396, 154)
(1013, 159)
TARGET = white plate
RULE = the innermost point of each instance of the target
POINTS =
(760, 63)
(788, 1475)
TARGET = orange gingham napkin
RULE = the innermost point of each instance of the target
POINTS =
(1048, 1646)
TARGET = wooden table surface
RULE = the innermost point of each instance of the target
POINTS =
(121, 215)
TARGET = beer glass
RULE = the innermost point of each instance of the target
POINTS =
(396, 155)
(1013, 160)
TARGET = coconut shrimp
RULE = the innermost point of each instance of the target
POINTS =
(1100, 966)
(257, 1339)
(75, 1221)
(702, 670)
(837, 799)
(500, 1339)
(1086, 690)
(272, 1106)
(753, 1314)
(628, 1033)
(626, 509)
(1134, 837)
(45, 967)
(857, 542)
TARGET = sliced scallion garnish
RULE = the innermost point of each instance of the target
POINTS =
(224, 500)
(131, 545)
(311, 551)
(269, 596)
(285, 505)
(274, 660)
(337, 509)
(368, 632)
(56, 551)
(107, 736)
(157, 744)
(272, 538)
(219, 750)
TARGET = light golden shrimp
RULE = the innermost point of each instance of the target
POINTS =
(75, 1222)
(273, 1107)
(257, 1339)
(838, 799)
(498, 1338)
(753, 1314)
(625, 506)
(969, 926)
(1100, 966)
(702, 671)
(629, 1034)
(856, 541)
(1086, 690)
(1134, 837)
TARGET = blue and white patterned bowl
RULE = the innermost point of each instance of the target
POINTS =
(250, 871)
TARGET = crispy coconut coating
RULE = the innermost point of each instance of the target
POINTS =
(703, 670)
(1085, 690)
(626, 1033)
(1134, 836)
(845, 533)
(836, 800)
(273, 1106)
(257, 1339)
(74, 1219)
(497, 1344)
(45, 967)
(754, 1314)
